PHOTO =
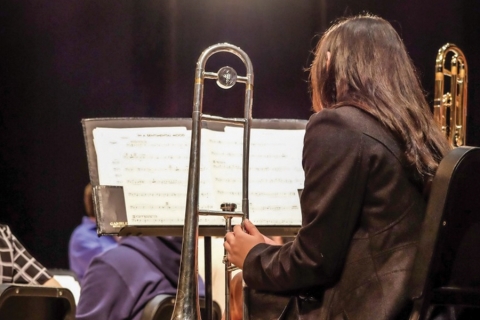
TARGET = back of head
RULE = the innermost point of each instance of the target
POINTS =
(88, 200)
(362, 61)
(368, 62)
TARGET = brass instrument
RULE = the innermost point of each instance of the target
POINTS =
(450, 104)
(187, 301)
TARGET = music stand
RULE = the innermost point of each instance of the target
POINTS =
(110, 201)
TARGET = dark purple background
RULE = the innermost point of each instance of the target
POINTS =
(64, 61)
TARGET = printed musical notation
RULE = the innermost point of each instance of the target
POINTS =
(151, 164)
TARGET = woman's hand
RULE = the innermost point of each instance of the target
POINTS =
(274, 241)
(238, 242)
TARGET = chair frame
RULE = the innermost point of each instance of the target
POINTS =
(423, 291)
(62, 296)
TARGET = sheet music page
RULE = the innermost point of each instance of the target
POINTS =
(275, 173)
(151, 164)
(275, 177)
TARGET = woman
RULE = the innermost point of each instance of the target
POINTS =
(369, 153)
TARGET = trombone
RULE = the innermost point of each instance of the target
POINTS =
(450, 104)
(187, 304)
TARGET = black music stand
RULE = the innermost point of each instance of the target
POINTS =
(110, 202)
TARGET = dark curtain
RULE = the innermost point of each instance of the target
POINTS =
(64, 61)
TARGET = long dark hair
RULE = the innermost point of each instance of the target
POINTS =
(369, 67)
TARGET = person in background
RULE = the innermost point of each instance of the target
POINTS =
(18, 266)
(120, 282)
(84, 242)
(370, 152)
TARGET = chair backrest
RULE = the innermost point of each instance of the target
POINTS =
(161, 307)
(29, 302)
(450, 236)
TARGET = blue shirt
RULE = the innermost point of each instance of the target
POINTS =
(85, 244)
(119, 282)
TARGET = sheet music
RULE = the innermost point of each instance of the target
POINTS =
(113, 146)
(152, 166)
(276, 174)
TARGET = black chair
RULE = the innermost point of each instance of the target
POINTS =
(161, 308)
(446, 273)
(29, 302)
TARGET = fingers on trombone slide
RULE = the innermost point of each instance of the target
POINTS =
(230, 267)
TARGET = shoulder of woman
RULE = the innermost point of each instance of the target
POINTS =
(349, 118)
(353, 123)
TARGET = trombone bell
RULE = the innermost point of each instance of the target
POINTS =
(450, 101)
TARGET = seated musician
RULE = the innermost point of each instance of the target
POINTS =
(84, 242)
(369, 151)
(119, 282)
(18, 266)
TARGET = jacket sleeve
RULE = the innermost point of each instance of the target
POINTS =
(104, 294)
(331, 203)
(26, 269)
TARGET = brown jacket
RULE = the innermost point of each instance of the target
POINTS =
(361, 213)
